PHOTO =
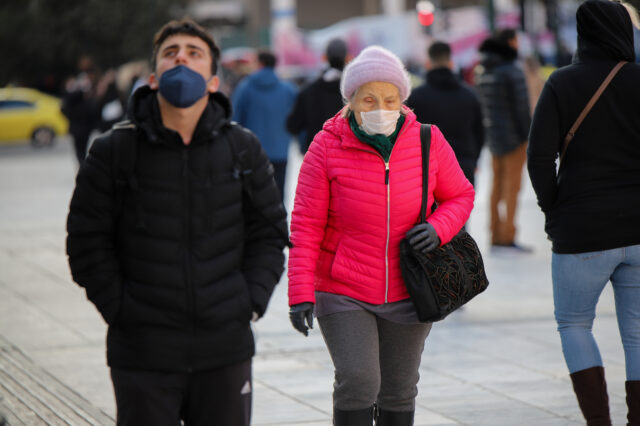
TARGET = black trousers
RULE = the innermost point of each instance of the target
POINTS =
(219, 397)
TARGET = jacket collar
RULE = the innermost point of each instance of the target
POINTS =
(442, 78)
(339, 126)
(144, 111)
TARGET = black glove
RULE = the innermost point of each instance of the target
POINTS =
(423, 238)
(297, 315)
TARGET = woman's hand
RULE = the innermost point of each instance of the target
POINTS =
(423, 238)
(298, 313)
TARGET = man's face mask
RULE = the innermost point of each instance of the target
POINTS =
(380, 121)
(182, 87)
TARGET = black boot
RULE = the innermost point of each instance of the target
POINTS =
(633, 402)
(353, 417)
(394, 418)
(591, 391)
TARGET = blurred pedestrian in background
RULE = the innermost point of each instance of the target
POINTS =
(358, 195)
(80, 106)
(176, 231)
(452, 105)
(261, 103)
(592, 202)
(109, 102)
(321, 99)
(502, 88)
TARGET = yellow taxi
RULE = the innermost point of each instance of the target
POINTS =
(27, 114)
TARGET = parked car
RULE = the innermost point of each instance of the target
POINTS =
(27, 114)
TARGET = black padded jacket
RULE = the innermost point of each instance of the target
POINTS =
(502, 88)
(177, 259)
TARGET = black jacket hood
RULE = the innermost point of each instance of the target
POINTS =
(495, 52)
(604, 32)
(144, 111)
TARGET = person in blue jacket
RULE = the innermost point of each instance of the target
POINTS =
(261, 103)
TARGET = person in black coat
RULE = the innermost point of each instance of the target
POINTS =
(451, 105)
(321, 99)
(502, 87)
(80, 106)
(592, 202)
(183, 249)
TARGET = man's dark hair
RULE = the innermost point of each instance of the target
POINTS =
(267, 59)
(189, 27)
(506, 34)
(439, 52)
(336, 53)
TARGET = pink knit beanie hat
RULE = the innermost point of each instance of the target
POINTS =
(375, 63)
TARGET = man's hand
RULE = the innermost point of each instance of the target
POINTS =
(298, 313)
(423, 238)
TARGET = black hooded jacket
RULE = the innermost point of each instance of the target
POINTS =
(593, 202)
(178, 268)
(315, 104)
(502, 88)
(454, 107)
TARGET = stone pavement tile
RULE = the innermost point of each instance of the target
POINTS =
(271, 337)
(29, 328)
(61, 300)
(272, 407)
(426, 417)
(471, 405)
(84, 369)
(32, 395)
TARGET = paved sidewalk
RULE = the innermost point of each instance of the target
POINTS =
(497, 362)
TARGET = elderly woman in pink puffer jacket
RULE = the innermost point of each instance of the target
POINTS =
(358, 195)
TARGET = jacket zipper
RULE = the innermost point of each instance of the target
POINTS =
(386, 249)
(187, 254)
(388, 190)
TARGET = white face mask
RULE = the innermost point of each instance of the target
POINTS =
(380, 121)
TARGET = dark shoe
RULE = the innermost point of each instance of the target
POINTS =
(591, 390)
(394, 418)
(633, 402)
(353, 417)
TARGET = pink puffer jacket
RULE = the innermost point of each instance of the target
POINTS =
(349, 217)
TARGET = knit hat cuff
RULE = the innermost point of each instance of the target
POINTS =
(375, 64)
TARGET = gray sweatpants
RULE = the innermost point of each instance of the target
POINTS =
(375, 360)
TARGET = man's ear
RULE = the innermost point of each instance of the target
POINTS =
(213, 84)
(153, 81)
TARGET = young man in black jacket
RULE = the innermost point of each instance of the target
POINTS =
(176, 231)
(502, 87)
(451, 105)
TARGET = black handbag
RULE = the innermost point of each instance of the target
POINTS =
(441, 281)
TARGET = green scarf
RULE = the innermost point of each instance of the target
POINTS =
(383, 144)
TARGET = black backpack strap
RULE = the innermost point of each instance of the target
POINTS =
(242, 171)
(124, 144)
(425, 143)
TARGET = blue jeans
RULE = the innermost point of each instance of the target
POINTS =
(578, 281)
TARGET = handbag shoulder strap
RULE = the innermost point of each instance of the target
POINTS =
(425, 143)
(587, 108)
